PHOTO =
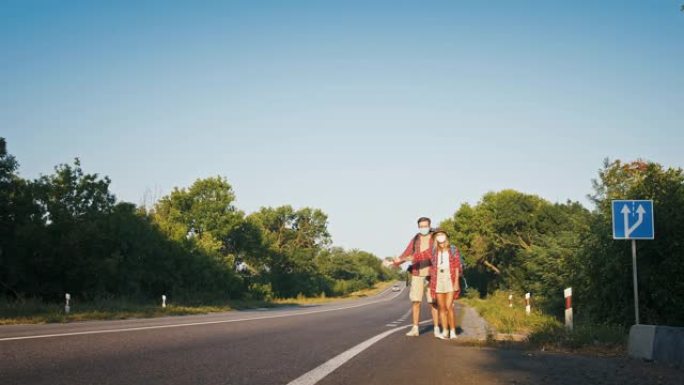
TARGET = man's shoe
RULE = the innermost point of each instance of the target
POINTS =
(443, 336)
(413, 332)
(437, 333)
(452, 335)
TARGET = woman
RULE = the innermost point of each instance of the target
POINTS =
(445, 272)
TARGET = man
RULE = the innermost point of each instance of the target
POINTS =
(419, 252)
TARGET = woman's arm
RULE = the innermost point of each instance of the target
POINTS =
(457, 281)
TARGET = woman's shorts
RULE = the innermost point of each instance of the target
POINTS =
(444, 284)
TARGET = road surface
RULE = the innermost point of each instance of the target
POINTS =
(347, 342)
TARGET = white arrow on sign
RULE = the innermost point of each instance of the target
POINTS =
(625, 213)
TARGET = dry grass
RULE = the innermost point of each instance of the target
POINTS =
(37, 312)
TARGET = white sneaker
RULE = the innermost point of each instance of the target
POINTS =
(443, 336)
(413, 332)
(452, 334)
(437, 333)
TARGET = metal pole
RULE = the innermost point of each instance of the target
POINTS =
(636, 289)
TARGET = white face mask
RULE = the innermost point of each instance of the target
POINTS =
(440, 238)
(424, 230)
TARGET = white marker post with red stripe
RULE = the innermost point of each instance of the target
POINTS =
(67, 308)
(568, 308)
(528, 308)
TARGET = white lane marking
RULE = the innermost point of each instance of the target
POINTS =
(106, 331)
(313, 376)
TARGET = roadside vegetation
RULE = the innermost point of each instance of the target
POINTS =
(65, 232)
(35, 311)
(518, 243)
(538, 330)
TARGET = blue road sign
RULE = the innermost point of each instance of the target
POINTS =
(633, 219)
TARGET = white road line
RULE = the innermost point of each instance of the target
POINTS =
(313, 376)
(106, 331)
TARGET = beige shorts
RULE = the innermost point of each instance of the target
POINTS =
(419, 285)
(444, 284)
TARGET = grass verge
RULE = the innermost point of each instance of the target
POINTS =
(543, 331)
(33, 311)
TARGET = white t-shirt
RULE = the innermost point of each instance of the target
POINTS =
(443, 260)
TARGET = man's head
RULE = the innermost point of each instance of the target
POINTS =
(424, 225)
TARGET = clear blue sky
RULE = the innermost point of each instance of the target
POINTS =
(344, 106)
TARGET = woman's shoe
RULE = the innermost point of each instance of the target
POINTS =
(413, 332)
(437, 333)
(443, 336)
(452, 335)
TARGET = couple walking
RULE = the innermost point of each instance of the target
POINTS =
(435, 270)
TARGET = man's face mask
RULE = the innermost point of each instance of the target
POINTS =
(424, 230)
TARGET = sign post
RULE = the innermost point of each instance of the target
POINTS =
(632, 220)
(634, 277)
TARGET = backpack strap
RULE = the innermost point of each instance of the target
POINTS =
(455, 250)
(415, 239)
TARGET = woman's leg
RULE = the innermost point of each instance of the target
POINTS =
(442, 303)
(449, 299)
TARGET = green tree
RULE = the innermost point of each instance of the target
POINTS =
(204, 219)
(20, 224)
(292, 239)
(603, 283)
(517, 241)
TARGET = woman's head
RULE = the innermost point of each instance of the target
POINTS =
(441, 238)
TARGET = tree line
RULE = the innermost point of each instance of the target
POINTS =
(523, 243)
(67, 232)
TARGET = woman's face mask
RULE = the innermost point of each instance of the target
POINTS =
(441, 238)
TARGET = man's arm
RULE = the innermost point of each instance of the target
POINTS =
(406, 255)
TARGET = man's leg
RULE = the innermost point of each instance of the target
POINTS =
(415, 307)
(416, 296)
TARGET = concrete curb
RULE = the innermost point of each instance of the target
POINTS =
(658, 343)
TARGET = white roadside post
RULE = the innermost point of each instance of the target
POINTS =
(568, 308)
(528, 308)
(510, 300)
(163, 300)
(67, 308)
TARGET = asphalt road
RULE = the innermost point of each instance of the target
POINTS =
(245, 347)
(348, 342)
